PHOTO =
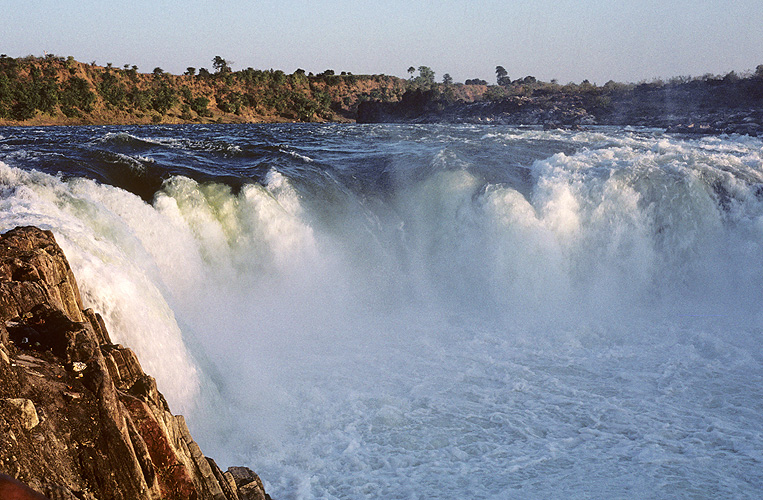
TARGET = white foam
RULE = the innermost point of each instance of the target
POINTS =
(115, 272)
(597, 334)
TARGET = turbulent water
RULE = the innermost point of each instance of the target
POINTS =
(427, 311)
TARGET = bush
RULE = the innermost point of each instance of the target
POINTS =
(185, 112)
(76, 95)
(232, 102)
(185, 92)
(164, 98)
(113, 92)
(48, 95)
(140, 99)
(199, 106)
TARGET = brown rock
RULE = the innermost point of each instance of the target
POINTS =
(227, 486)
(24, 409)
(34, 271)
(99, 327)
(249, 484)
(175, 481)
(123, 366)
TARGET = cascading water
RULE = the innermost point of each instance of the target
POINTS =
(427, 311)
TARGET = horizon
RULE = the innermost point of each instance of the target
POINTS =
(565, 41)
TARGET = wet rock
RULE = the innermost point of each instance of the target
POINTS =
(48, 329)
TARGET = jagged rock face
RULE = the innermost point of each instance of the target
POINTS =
(79, 419)
(34, 271)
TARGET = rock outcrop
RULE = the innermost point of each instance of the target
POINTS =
(79, 419)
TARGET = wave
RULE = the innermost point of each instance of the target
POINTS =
(138, 142)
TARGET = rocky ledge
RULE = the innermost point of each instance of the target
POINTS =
(79, 419)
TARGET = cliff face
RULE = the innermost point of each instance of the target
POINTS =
(79, 419)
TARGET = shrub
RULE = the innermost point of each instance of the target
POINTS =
(77, 95)
(199, 106)
(164, 98)
(232, 102)
(113, 92)
(185, 112)
(140, 99)
(185, 92)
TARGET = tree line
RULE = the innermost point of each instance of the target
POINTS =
(55, 86)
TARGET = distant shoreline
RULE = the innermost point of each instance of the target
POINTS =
(57, 91)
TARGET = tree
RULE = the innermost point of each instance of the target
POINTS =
(190, 70)
(111, 90)
(221, 65)
(158, 71)
(475, 81)
(425, 80)
(447, 79)
(6, 95)
(502, 76)
(426, 74)
(231, 102)
(411, 71)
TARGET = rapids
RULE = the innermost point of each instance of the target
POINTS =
(427, 311)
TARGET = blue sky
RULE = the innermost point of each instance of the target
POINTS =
(569, 40)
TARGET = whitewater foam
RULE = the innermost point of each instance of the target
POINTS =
(115, 272)
(507, 313)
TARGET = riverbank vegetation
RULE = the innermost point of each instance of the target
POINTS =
(54, 90)
(60, 90)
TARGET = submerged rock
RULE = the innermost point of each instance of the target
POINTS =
(79, 419)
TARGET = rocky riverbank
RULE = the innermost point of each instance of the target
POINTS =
(79, 419)
(695, 107)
